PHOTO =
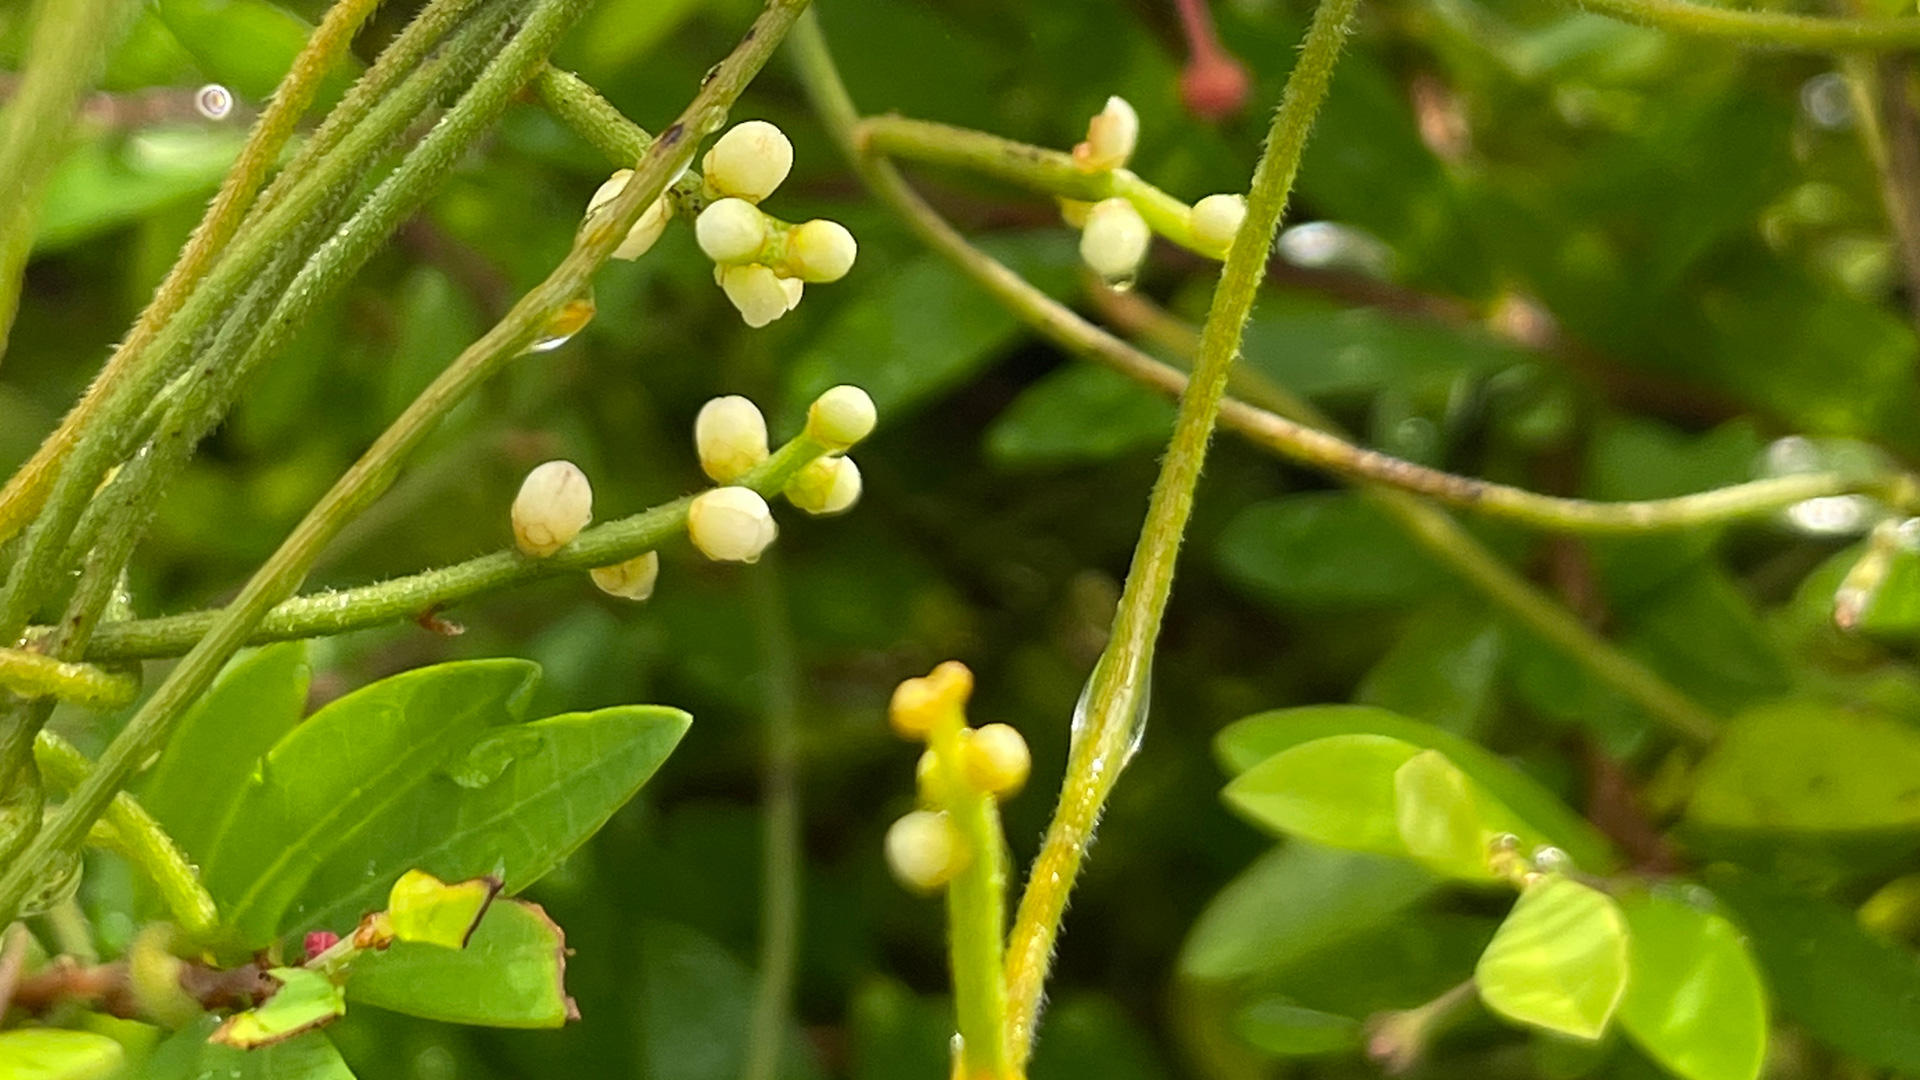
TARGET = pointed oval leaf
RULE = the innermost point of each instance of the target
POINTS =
(58, 1054)
(340, 775)
(1695, 1003)
(1559, 961)
(511, 974)
(1810, 766)
(518, 802)
(1250, 741)
(1444, 822)
(1336, 791)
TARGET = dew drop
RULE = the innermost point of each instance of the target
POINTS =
(1120, 748)
(213, 101)
(568, 321)
(1551, 860)
(1832, 515)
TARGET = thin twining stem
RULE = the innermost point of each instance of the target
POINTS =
(1054, 173)
(429, 592)
(1765, 28)
(32, 675)
(505, 75)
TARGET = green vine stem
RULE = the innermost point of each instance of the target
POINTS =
(977, 918)
(401, 599)
(26, 490)
(592, 117)
(504, 76)
(780, 835)
(65, 52)
(1765, 28)
(32, 675)
(137, 836)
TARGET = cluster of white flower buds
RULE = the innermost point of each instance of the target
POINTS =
(760, 262)
(924, 850)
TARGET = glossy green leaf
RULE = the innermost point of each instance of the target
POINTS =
(423, 909)
(110, 183)
(1804, 765)
(1850, 990)
(515, 804)
(1301, 552)
(1695, 1002)
(306, 999)
(1559, 961)
(340, 775)
(195, 787)
(58, 1054)
(1337, 791)
(511, 974)
(1246, 743)
(1294, 901)
(1079, 414)
(1443, 821)
(1287, 1030)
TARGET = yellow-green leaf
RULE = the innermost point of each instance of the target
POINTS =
(1559, 961)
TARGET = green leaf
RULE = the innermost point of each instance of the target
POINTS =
(195, 787)
(187, 1055)
(1337, 791)
(1805, 765)
(1287, 1030)
(1079, 414)
(1443, 820)
(106, 184)
(246, 44)
(421, 908)
(1559, 961)
(1252, 740)
(340, 775)
(1294, 901)
(1695, 1003)
(1848, 989)
(1326, 550)
(515, 804)
(58, 1054)
(922, 329)
(511, 974)
(1441, 669)
(306, 999)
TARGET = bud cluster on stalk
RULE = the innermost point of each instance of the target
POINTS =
(924, 849)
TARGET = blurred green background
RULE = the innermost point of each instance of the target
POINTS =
(1530, 244)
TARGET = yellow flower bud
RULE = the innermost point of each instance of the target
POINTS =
(630, 580)
(924, 851)
(731, 524)
(825, 485)
(1115, 241)
(1215, 221)
(731, 231)
(841, 417)
(821, 251)
(918, 704)
(554, 504)
(731, 437)
(749, 161)
(996, 760)
(1111, 136)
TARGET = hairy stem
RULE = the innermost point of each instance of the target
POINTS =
(1765, 28)
(32, 675)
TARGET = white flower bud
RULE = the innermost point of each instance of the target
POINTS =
(1111, 135)
(923, 850)
(825, 485)
(749, 161)
(1115, 241)
(821, 251)
(646, 231)
(731, 524)
(731, 437)
(841, 417)
(758, 294)
(996, 760)
(731, 231)
(792, 289)
(554, 504)
(630, 580)
(1215, 221)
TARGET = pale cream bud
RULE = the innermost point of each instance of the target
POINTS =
(923, 850)
(825, 485)
(731, 231)
(792, 289)
(630, 580)
(646, 231)
(749, 161)
(554, 504)
(731, 437)
(757, 293)
(1111, 136)
(1215, 221)
(1115, 241)
(841, 417)
(731, 524)
(996, 760)
(821, 251)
